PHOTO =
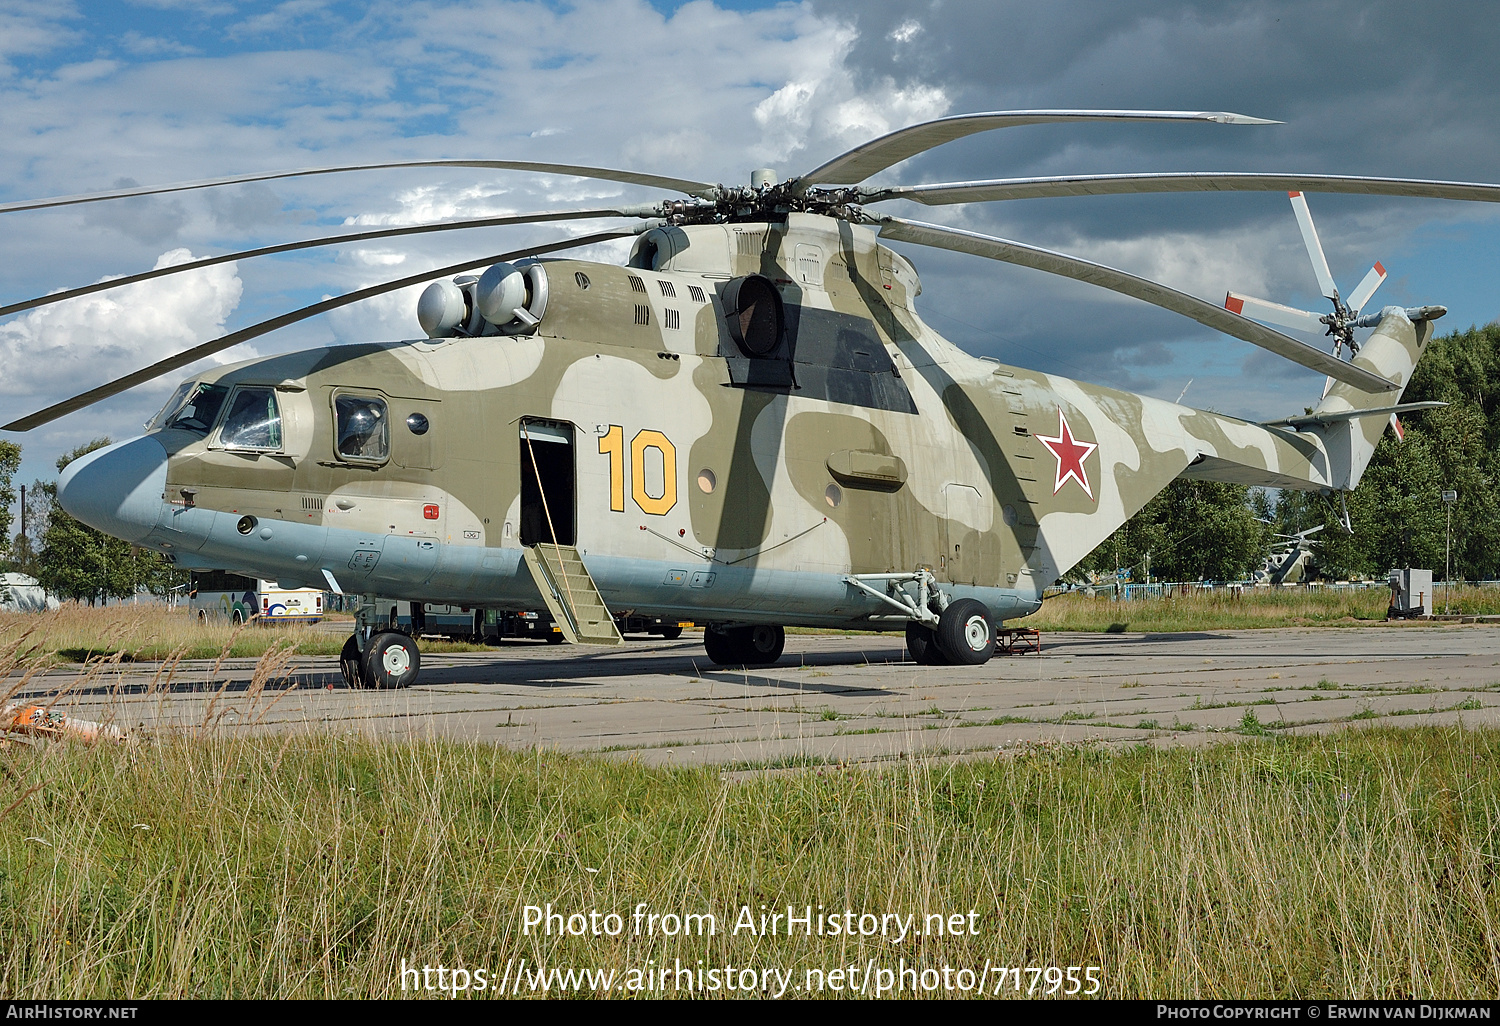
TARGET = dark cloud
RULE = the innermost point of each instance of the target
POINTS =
(1376, 88)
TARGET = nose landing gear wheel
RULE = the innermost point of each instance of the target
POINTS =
(966, 633)
(391, 661)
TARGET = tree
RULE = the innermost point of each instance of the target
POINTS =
(10, 462)
(1191, 531)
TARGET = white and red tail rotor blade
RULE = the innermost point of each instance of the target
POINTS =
(1314, 247)
(1366, 288)
(1265, 310)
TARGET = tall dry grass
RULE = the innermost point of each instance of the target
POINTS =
(79, 633)
(1362, 864)
(1260, 607)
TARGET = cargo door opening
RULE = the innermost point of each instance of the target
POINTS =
(548, 491)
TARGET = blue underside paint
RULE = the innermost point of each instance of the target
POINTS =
(422, 569)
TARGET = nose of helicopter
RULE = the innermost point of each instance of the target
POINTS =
(117, 489)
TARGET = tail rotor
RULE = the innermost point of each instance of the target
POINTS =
(1339, 324)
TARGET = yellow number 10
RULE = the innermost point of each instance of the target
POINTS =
(612, 444)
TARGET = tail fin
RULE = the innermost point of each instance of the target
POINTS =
(1399, 342)
(1350, 421)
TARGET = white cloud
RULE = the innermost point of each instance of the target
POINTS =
(84, 342)
(905, 32)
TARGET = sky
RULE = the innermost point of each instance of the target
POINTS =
(99, 95)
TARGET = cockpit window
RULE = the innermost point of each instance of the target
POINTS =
(364, 430)
(253, 421)
(171, 406)
(198, 413)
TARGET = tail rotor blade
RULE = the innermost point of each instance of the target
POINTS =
(1366, 288)
(1265, 310)
(1314, 247)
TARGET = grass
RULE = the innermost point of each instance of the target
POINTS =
(77, 633)
(192, 863)
(1261, 607)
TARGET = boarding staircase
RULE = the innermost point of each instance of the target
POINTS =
(571, 595)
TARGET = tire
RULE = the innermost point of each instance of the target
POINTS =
(922, 644)
(764, 643)
(719, 644)
(759, 645)
(671, 633)
(236, 618)
(203, 616)
(966, 633)
(556, 638)
(349, 664)
(391, 661)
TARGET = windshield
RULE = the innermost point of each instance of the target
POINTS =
(200, 410)
(171, 406)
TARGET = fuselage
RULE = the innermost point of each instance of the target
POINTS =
(699, 477)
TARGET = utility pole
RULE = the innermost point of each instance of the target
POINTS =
(1449, 498)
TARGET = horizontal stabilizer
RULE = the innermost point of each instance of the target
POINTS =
(1334, 416)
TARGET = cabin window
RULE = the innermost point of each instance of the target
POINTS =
(253, 421)
(363, 427)
(199, 411)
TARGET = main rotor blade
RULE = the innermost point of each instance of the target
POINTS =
(1314, 246)
(700, 189)
(1189, 181)
(196, 353)
(1366, 288)
(1132, 285)
(327, 240)
(876, 155)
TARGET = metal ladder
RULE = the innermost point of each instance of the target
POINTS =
(571, 595)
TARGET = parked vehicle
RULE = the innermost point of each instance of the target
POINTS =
(502, 624)
(669, 628)
(216, 595)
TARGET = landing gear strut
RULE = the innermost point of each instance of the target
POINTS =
(756, 645)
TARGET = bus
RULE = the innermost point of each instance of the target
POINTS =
(217, 595)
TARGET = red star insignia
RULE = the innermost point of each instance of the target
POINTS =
(1070, 455)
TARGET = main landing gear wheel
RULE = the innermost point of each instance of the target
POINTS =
(966, 633)
(921, 642)
(349, 664)
(749, 646)
(391, 661)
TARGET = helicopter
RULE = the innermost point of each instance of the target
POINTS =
(1288, 560)
(748, 425)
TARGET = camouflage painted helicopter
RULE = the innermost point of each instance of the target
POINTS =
(748, 426)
